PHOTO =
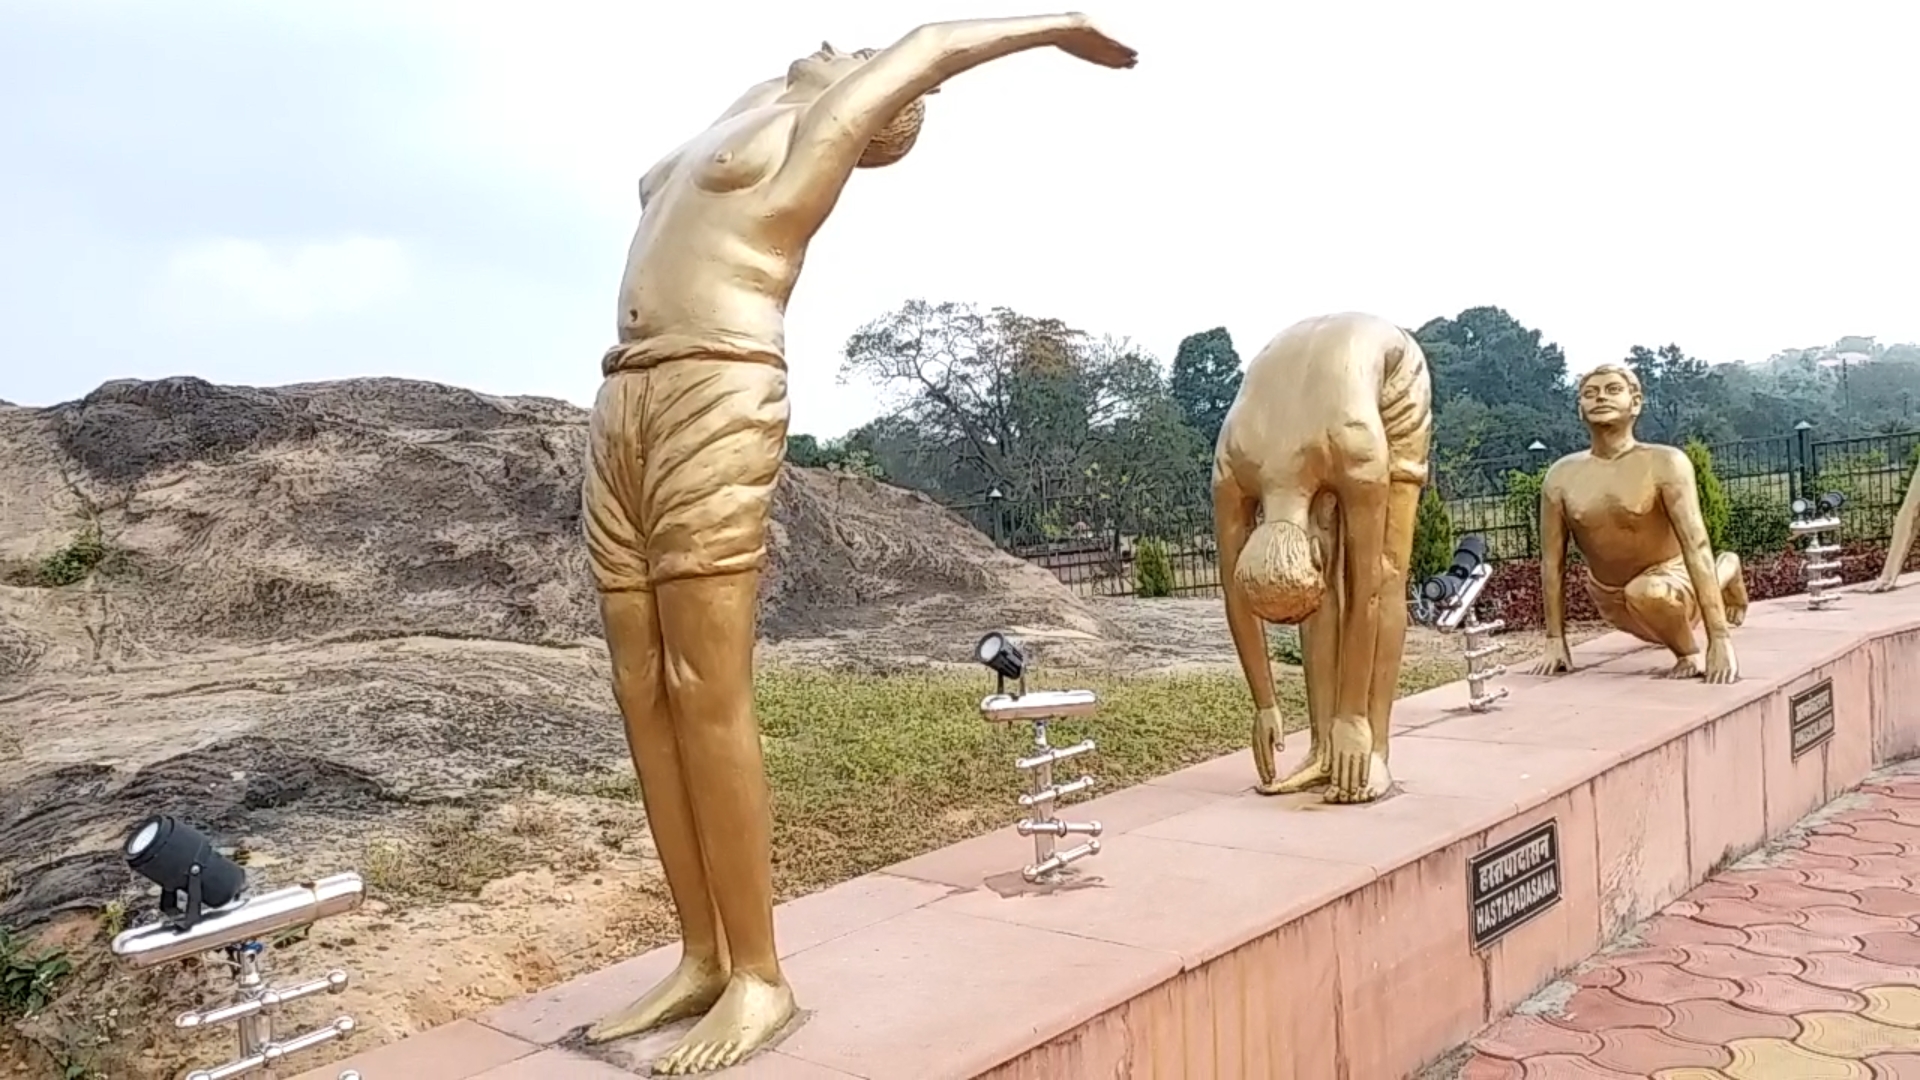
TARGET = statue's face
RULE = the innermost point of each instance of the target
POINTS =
(820, 70)
(1607, 397)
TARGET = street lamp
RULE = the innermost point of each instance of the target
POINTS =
(994, 498)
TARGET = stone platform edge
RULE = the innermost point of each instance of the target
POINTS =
(1223, 934)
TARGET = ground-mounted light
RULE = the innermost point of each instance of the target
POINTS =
(204, 907)
(1817, 521)
(1043, 797)
(1447, 601)
(1001, 655)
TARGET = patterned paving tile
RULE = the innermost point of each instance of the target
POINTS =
(1802, 965)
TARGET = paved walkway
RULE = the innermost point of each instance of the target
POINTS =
(1802, 963)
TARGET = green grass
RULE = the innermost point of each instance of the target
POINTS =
(867, 771)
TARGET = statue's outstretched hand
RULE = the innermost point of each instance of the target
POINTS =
(1085, 41)
(1721, 666)
(1558, 658)
(1880, 584)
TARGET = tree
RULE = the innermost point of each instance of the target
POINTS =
(1486, 354)
(1684, 397)
(1029, 406)
(1714, 508)
(1206, 376)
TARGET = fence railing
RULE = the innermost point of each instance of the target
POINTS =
(1088, 535)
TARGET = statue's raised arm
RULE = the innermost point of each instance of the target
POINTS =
(856, 106)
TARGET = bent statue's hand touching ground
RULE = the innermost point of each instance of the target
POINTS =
(1268, 739)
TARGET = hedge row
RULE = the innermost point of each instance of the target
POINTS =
(1514, 593)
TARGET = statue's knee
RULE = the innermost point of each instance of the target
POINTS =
(1653, 595)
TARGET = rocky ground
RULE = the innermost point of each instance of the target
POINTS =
(349, 625)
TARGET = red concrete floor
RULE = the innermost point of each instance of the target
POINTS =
(1801, 963)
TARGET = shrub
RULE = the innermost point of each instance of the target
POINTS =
(1713, 495)
(73, 562)
(1152, 569)
(1283, 644)
(1432, 537)
(1523, 504)
(1756, 526)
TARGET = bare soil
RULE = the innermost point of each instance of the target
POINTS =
(349, 626)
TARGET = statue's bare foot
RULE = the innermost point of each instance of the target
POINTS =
(1734, 599)
(691, 990)
(748, 1015)
(1879, 585)
(1379, 782)
(1309, 775)
(1350, 758)
(1687, 667)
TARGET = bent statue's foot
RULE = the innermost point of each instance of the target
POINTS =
(1687, 667)
(747, 1016)
(1379, 782)
(1312, 773)
(691, 990)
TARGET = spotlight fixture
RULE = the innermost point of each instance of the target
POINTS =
(1831, 502)
(193, 877)
(1467, 557)
(999, 654)
(1800, 507)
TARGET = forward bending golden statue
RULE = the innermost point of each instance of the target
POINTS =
(1316, 480)
(684, 448)
(1634, 511)
(1901, 545)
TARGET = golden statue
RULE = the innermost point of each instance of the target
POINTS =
(1316, 480)
(1633, 510)
(1901, 545)
(685, 445)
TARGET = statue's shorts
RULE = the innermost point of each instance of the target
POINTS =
(1668, 579)
(682, 458)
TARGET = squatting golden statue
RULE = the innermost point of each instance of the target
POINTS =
(685, 445)
(1901, 545)
(1316, 480)
(1633, 510)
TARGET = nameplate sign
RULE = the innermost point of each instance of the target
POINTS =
(1514, 881)
(1810, 717)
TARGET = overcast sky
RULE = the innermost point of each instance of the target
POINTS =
(286, 190)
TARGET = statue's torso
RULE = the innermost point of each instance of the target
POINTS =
(707, 273)
(1615, 513)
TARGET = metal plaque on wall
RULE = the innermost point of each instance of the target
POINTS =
(1810, 717)
(1513, 882)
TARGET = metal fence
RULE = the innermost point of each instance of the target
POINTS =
(1092, 535)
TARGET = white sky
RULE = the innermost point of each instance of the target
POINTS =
(445, 190)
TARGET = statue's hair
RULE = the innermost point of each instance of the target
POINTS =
(1611, 368)
(1279, 573)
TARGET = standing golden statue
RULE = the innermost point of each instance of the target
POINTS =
(1634, 511)
(685, 445)
(1316, 480)
(1901, 545)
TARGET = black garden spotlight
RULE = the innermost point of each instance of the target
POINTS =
(1827, 504)
(1001, 655)
(193, 877)
(1467, 557)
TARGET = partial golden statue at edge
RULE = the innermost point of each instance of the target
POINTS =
(1633, 510)
(1901, 544)
(1316, 481)
(685, 445)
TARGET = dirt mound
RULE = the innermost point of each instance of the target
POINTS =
(382, 507)
(323, 617)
